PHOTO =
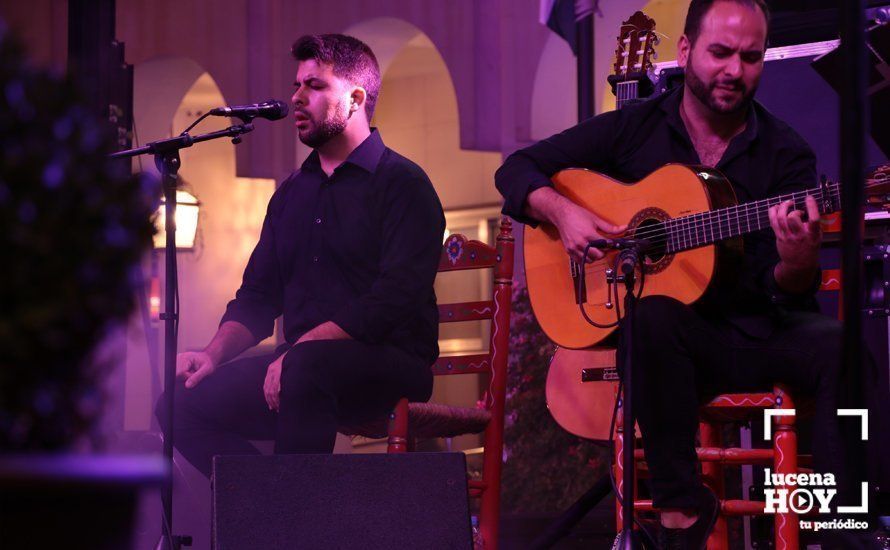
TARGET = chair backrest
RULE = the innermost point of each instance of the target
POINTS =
(460, 253)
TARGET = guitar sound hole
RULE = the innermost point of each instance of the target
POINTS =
(653, 230)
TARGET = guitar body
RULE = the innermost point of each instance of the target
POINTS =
(582, 408)
(672, 191)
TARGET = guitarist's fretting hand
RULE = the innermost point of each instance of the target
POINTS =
(798, 244)
(576, 225)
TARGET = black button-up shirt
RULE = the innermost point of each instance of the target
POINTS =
(360, 248)
(767, 159)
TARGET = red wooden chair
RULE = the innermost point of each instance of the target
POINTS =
(429, 420)
(782, 457)
(713, 456)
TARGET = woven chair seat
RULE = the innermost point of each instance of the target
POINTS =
(428, 420)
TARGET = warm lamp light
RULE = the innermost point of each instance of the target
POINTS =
(187, 207)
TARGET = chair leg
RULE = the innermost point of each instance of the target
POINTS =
(490, 505)
(713, 471)
(787, 529)
(398, 428)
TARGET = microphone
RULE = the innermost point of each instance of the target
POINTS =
(270, 110)
(628, 261)
(630, 251)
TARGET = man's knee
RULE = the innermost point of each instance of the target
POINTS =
(826, 339)
(180, 406)
(303, 369)
(308, 356)
(657, 314)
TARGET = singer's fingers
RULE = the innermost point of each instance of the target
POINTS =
(198, 375)
(184, 367)
(268, 392)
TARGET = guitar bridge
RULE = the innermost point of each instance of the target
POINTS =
(599, 374)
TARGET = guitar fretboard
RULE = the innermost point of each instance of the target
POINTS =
(624, 92)
(706, 228)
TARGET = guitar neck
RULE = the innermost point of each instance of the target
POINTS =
(626, 92)
(709, 227)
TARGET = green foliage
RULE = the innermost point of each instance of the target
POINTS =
(73, 226)
(547, 468)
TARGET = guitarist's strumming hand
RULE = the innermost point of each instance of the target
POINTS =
(576, 225)
(798, 244)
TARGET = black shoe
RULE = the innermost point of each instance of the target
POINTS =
(694, 537)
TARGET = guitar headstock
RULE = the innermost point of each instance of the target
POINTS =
(636, 47)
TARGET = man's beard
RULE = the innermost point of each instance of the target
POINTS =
(330, 127)
(705, 92)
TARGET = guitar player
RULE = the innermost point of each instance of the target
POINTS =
(744, 337)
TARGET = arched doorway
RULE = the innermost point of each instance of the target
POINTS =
(169, 94)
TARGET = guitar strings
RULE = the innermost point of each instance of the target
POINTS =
(662, 232)
(687, 222)
(658, 235)
(693, 228)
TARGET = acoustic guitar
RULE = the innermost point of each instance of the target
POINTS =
(581, 384)
(688, 215)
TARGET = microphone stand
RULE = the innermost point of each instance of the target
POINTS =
(628, 260)
(166, 154)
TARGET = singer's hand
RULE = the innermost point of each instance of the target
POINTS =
(578, 226)
(272, 383)
(194, 366)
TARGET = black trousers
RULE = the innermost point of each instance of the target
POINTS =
(323, 383)
(682, 359)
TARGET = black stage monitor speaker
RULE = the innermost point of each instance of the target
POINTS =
(412, 500)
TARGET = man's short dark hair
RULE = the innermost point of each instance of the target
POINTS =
(351, 59)
(699, 8)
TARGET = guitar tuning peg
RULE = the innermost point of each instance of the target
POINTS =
(654, 55)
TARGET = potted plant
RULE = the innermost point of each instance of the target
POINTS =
(73, 227)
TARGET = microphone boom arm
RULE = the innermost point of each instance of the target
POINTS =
(184, 140)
